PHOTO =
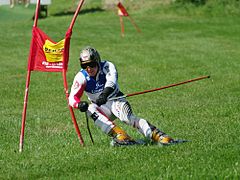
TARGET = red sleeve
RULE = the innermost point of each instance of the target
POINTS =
(77, 89)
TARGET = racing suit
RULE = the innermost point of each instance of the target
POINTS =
(104, 115)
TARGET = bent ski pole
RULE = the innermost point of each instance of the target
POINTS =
(160, 88)
(88, 128)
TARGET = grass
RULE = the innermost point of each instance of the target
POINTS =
(173, 46)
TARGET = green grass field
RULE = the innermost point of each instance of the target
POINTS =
(176, 44)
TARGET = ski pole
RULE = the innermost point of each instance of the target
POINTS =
(88, 128)
(160, 88)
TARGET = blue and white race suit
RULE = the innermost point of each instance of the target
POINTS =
(104, 115)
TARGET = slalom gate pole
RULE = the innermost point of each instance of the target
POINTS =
(134, 24)
(76, 13)
(21, 141)
(37, 10)
(65, 61)
(71, 110)
(121, 25)
(24, 111)
(160, 88)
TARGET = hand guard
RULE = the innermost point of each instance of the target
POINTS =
(83, 106)
(103, 97)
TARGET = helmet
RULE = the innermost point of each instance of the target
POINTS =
(89, 54)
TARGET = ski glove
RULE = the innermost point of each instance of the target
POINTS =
(103, 97)
(83, 106)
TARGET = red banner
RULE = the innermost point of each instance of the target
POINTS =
(121, 10)
(45, 54)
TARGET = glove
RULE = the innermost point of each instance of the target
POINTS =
(103, 97)
(83, 106)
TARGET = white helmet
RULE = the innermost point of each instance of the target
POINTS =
(88, 55)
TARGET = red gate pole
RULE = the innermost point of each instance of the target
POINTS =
(76, 14)
(65, 63)
(71, 109)
(134, 24)
(122, 26)
(24, 111)
(21, 141)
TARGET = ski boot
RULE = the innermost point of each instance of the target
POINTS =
(161, 138)
(120, 137)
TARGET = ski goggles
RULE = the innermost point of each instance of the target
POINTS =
(90, 64)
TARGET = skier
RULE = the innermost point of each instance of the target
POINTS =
(99, 80)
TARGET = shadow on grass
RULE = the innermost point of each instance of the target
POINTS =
(84, 11)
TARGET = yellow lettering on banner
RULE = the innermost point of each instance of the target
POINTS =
(53, 51)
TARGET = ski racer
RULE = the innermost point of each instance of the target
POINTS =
(99, 80)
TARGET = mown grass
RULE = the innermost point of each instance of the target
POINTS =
(173, 46)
